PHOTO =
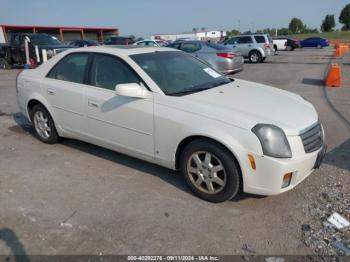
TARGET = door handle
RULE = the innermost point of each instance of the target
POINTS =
(93, 104)
(50, 92)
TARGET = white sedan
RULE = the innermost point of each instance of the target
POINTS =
(166, 107)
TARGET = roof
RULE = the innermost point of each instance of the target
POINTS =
(122, 50)
(60, 27)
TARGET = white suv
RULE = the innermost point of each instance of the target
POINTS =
(169, 108)
(254, 47)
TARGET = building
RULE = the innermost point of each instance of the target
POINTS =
(65, 34)
(201, 35)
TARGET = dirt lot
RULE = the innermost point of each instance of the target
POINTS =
(76, 198)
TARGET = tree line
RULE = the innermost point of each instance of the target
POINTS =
(297, 26)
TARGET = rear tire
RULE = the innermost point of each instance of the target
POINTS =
(4, 63)
(44, 125)
(255, 57)
(210, 171)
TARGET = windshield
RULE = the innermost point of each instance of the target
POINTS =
(178, 73)
(44, 40)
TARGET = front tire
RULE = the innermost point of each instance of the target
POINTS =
(210, 171)
(44, 125)
(255, 57)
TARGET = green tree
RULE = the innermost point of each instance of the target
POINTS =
(344, 17)
(232, 32)
(296, 26)
(283, 31)
(328, 23)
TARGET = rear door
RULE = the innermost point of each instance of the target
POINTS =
(245, 44)
(65, 88)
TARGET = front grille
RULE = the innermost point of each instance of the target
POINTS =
(312, 139)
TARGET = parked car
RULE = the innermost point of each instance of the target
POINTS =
(254, 47)
(285, 43)
(279, 44)
(169, 108)
(292, 44)
(84, 43)
(119, 40)
(219, 57)
(314, 42)
(151, 43)
(13, 53)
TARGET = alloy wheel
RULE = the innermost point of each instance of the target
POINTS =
(206, 172)
(41, 124)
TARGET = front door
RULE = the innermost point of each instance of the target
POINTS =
(125, 123)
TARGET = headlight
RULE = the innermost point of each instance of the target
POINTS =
(273, 141)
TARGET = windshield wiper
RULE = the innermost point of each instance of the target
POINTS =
(190, 91)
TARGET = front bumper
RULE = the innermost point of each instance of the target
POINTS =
(267, 179)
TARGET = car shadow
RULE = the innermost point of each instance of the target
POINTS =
(171, 177)
(313, 82)
(11, 240)
(294, 63)
(339, 156)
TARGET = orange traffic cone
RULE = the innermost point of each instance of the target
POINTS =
(334, 77)
(338, 52)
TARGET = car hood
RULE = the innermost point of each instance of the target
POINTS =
(245, 104)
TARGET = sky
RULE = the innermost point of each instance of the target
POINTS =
(147, 17)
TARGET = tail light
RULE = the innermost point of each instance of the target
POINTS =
(267, 46)
(226, 55)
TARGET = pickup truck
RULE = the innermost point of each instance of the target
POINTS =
(279, 44)
(13, 53)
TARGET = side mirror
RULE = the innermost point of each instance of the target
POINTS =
(131, 90)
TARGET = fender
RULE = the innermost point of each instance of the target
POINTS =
(41, 99)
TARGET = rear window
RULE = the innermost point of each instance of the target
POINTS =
(260, 39)
(217, 47)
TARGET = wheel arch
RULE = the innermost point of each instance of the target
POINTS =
(35, 101)
(184, 142)
(259, 50)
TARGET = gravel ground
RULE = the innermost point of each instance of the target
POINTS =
(76, 198)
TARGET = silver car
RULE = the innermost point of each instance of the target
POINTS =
(255, 47)
(219, 57)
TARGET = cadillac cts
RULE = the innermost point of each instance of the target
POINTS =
(169, 108)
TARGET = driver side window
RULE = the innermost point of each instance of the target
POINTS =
(108, 71)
